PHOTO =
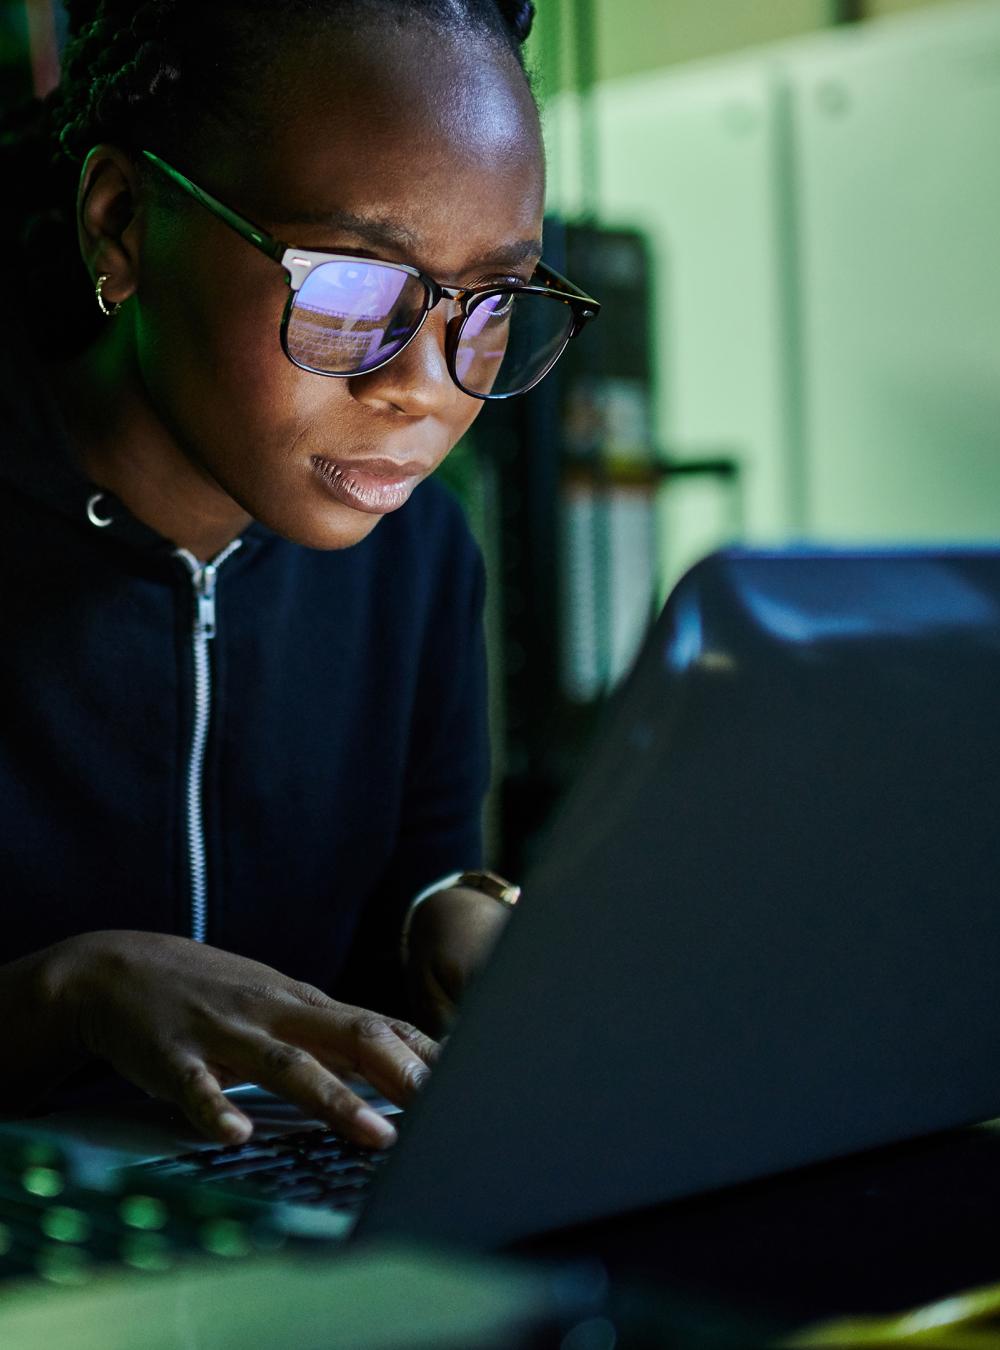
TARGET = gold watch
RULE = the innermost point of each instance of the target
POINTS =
(489, 883)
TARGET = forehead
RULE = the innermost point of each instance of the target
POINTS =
(436, 133)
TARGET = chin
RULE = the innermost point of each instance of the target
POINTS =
(339, 527)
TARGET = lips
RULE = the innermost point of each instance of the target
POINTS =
(376, 486)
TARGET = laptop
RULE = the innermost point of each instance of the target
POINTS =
(765, 931)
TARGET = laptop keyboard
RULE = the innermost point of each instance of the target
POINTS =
(307, 1167)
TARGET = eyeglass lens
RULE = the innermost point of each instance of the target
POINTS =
(509, 341)
(350, 316)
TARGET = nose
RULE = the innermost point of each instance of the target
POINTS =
(417, 382)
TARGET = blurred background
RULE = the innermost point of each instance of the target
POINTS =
(791, 211)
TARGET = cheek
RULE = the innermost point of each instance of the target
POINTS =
(211, 319)
(209, 350)
(469, 410)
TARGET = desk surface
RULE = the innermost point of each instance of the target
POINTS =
(878, 1233)
(882, 1232)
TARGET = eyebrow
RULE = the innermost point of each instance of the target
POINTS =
(386, 233)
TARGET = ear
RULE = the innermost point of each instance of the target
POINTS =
(108, 221)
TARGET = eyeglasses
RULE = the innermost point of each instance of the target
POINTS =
(348, 315)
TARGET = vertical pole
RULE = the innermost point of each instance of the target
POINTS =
(848, 11)
(43, 47)
(585, 32)
(554, 92)
(795, 419)
(601, 524)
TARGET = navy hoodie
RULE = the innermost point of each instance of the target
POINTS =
(282, 788)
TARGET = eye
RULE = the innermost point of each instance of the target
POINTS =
(498, 306)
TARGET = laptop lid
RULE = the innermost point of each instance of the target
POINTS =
(766, 930)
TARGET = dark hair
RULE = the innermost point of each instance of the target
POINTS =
(145, 75)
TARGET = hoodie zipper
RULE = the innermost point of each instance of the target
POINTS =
(203, 581)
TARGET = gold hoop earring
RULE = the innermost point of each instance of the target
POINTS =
(109, 311)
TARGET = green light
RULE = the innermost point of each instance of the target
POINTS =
(143, 1211)
(147, 1251)
(66, 1225)
(43, 1181)
(225, 1237)
(63, 1265)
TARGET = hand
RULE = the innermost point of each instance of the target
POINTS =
(183, 1021)
(452, 933)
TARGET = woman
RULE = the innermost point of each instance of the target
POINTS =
(242, 677)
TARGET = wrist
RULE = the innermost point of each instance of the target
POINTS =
(38, 1014)
(474, 886)
(451, 903)
(41, 1008)
(68, 979)
(55, 990)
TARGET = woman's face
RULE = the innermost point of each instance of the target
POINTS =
(398, 144)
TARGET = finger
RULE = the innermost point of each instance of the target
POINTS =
(429, 1050)
(331, 1031)
(197, 1092)
(395, 1062)
(297, 1076)
(392, 1055)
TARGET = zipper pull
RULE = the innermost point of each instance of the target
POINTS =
(203, 576)
(204, 589)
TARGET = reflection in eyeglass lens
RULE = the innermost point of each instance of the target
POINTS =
(349, 316)
(509, 339)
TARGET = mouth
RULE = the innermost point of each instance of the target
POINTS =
(376, 486)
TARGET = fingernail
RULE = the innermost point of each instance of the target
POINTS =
(235, 1126)
(376, 1127)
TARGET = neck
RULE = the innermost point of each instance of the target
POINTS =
(124, 446)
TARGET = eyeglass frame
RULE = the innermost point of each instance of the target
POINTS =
(298, 264)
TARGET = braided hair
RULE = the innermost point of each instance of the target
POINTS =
(147, 74)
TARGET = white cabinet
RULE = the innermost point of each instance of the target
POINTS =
(824, 216)
(898, 189)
